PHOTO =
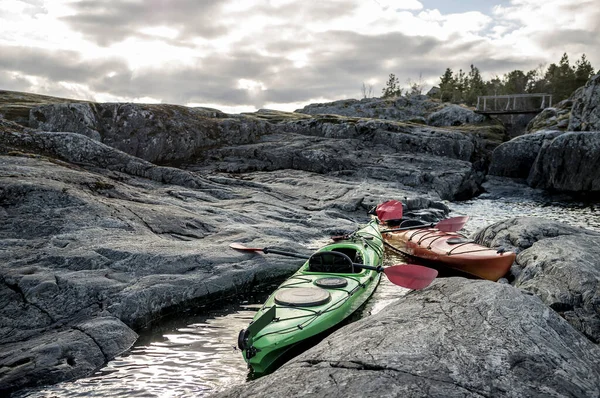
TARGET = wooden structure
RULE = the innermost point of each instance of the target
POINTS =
(512, 104)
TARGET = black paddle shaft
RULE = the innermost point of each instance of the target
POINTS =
(408, 228)
(266, 250)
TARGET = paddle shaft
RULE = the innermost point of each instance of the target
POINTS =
(266, 250)
(408, 228)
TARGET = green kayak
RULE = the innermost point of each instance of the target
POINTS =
(327, 289)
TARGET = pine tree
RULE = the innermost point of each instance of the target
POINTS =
(447, 85)
(392, 87)
(476, 86)
(515, 82)
(561, 79)
(462, 82)
(583, 71)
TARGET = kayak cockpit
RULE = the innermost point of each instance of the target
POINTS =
(338, 260)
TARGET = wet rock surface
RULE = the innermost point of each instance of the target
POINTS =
(448, 340)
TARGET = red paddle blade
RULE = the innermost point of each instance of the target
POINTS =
(452, 224)
(390, 210)
(239, 246)
(410, 276)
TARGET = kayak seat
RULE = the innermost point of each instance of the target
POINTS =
(330, 261)
(403, 223)
(354, 254)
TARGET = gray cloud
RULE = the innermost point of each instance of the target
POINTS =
(13, 83)
(108, 21)
(55, 65)
(339, 61)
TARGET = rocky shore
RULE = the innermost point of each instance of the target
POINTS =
(555, 155)
(114, 215)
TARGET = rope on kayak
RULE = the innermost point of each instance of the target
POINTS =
(303, 280)
(468, 251)
(433, 240)
(377, 248)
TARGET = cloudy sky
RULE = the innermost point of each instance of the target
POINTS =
(241, 55)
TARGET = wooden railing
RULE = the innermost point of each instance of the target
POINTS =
(514, 103)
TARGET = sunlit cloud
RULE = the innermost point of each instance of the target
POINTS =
(282, 54)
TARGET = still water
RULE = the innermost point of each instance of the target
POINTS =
(196, 355)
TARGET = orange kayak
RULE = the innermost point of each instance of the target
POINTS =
(451, 250)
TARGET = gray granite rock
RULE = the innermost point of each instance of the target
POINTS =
(270, 140)
(553, 118)
(65, 353)
(569, 163)
(585, 115)
(96, 242)
(449, 340)
(454, 115)
(156, 133)
(426, 160)
(401, 108)
(557, 262)
(516, 157)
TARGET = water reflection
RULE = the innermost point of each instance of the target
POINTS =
(190, 356)
(483, 212)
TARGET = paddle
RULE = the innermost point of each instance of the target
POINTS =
(452, 224)
(390, 210)
(266, 250)
(410, 276)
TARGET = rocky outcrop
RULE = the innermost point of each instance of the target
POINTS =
(156, 133)
(445, 341)
(557, 263)
(401, 108)
(428, 159)
(68, 352)
(554, 161)
(417, 109)
(516, 157)
(454, 115)
(15, 106)
(569, 163)
(585, 115)
(553, 118)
